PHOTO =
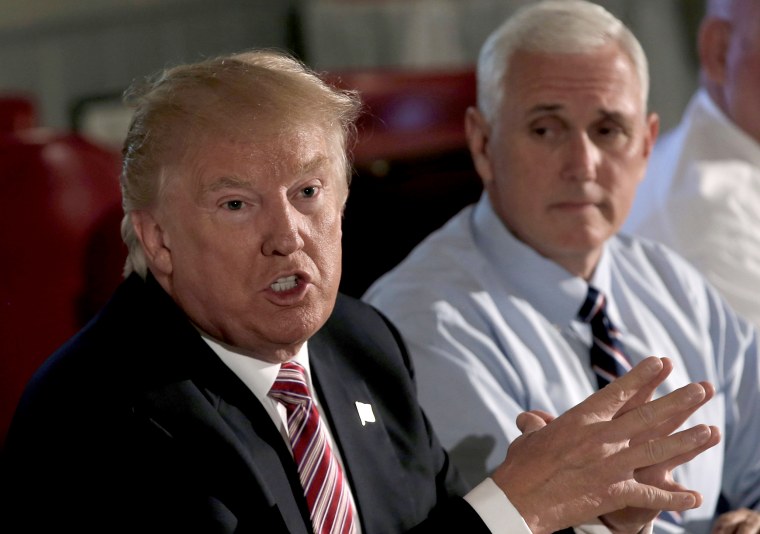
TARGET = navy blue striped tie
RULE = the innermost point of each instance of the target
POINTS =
(608, 360)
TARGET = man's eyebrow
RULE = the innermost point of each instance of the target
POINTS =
(232, 182)
(542, 109)
(313, 164)
(614, 115)
(226, 182)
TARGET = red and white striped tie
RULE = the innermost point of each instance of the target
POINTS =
(319, 470)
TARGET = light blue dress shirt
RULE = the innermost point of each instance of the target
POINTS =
(491, 326)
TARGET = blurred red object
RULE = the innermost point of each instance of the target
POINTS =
(413, 169)
(17, 113)
(409, 113)
(62, 251)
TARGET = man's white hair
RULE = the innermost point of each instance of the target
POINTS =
(552, 26)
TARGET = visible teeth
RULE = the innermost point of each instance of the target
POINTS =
(283, 284)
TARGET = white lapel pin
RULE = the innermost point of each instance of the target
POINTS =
(366, 415)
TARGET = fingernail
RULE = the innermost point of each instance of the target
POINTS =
(686, 500)
(652, 365)
(695, 392)
(702, 434)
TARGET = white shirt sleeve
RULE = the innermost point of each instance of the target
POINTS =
(501, 517)
(493, 507)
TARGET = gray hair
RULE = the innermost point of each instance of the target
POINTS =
(552, 26)
(177, 105)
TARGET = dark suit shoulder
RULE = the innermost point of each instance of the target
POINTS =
(119, 346)
(356, 324)
(129, 410)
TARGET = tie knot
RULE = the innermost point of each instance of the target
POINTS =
(594, 305)
(290, 385)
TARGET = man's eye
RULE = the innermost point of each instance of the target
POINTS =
(234, 205)
(546, 128)
(608, 129)
(309, 192)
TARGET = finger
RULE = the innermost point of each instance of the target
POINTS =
(654, 498)
(675, 422)
(681, 459)
(528, 422)
(660, 475)
(546, 416)
(664, 483)
(646, 392)
(606, 402)
(649, 416)
(663, 450)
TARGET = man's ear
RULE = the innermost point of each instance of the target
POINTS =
(154, 241)
(478, 133)
(653, 130)
(713, 43)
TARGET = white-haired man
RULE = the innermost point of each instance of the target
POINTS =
(512, 305)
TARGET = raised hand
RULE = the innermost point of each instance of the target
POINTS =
(584, 464)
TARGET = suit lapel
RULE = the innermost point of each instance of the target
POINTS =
(261, 444)
(270, 459)
(370, 460)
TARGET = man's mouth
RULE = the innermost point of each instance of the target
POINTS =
(284, 284)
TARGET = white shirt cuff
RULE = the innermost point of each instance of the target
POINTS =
(493, 507)
(501, 517)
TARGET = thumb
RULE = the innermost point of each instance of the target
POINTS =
(533, 420)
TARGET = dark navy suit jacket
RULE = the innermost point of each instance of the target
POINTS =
(135, 425)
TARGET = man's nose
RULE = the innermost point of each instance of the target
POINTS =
(283, 234)
(581, 159)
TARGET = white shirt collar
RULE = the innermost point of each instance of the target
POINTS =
(552, 290)
(257, 374)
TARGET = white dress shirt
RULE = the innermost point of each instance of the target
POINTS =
(491, 326)
(701, 197)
